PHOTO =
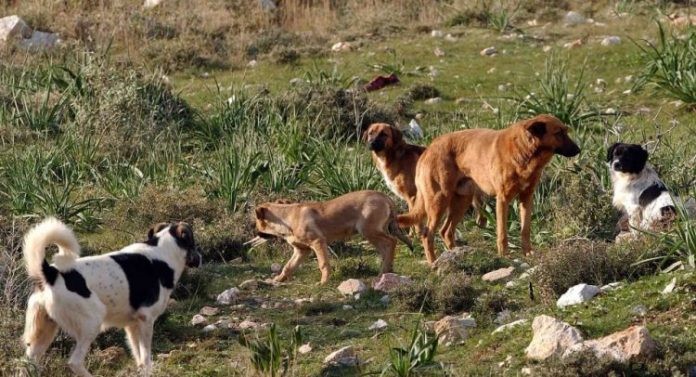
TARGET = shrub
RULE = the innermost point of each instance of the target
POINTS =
(471, 261)
(416, 297)
(455, 293)
(285, 55)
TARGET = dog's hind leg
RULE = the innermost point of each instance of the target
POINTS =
(133, 335)
(321, 250)
(457, 209)
(436, 210)
(145, 329)
(526, 203)
(40, 329)
(386, 245)
(77, 359)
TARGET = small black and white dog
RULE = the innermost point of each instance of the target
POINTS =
(128, 288)
(638, 191)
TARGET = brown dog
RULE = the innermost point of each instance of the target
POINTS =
(397, 161)
(504, 163)
(312, 226)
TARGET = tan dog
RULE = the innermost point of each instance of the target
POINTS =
(312, 226)
(397, 161)
(504, 163)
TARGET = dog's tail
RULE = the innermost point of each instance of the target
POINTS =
(415, 214)
(50, 231)
(396, 231)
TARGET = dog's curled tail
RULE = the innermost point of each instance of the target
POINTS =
(50, 231)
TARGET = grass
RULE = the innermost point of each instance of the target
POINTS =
(105, 141)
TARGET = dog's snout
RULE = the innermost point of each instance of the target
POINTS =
(569, 149)
(376, 145)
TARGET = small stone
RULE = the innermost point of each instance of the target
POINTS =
(252, 63)
(209, 328)
(302, 301)
(247, 324)
(573, 18)
(229, 296)
(297, 81)
(439, 52)
(577, 294)
(276, 268)
(670, 287)
(345, 356)
(198, 320)
(390, 281)
(551, 337)
(574, 44)
(249, 285)
(610, 111)
(432, 101)
(384, 300)
(341, 47)
(524, 266)
(351, 287)
(305, 349)
(380, 324)
(511, 284)
(437, 34)
(611, 286)
(509, 325)
(347, 307)
(208, 311)
(499, 274)
(546, 48)
(489, 51)
(640, 310)
(611, 41)
(503, 316)
(450, 38)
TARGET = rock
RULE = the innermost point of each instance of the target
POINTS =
(450, 38)
(249, 285)
(149, 4)
(524, 266)
(509, 325)
(40, 41)
(452, 330)
(341, 47)
(432, 101)
(247, 324)
(611, 41)
(573, 18)
(437, 34)
(385, 300)
(302, 301)
(670, 287)
(449, 260)
(209, 328)
(111, 354)
(352, 286)
(577, 294)
(13, 27)
(380, 324)
(390, 281)
(305, 349)
(488, 51)
(622, 346)
(499, 274)
(276, 268)
(503, 316)
(439, 52)
(198, 320)
(238, 260)
(640, 310)
(252, 63)
(611, 286)
(511, 284)
(347, 307)
(229, 296)
(345, 356)
(551, 337)
(267, 5)
(574, 44)
(208, 311)
(690, 207)
(297, 81)
(546, 48)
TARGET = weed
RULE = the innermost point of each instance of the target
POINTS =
(270, 356)
(416, 358)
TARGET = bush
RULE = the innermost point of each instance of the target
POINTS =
(455, 294)
(470, 261)
(415, 297)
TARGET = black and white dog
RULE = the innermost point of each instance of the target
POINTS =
(127, 289)
(638, 191)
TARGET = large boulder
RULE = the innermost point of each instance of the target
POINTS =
(389, 282)
(352, 286)
(13, 27)
(345, 356)
(577, 294)
(622, 346)
(551, 338)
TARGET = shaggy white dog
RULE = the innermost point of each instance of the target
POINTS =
(127, 289)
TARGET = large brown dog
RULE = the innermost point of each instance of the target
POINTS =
(313, 225)
(397, 161)
(504, 163)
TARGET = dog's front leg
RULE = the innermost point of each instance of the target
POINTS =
(501, 216)
(321, 250)
(298, 255)
(526, 206)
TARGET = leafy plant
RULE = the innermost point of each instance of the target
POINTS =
(269, 356)
(679, 243)
(417, 357)
(671, 65)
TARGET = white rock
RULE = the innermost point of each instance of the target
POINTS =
(305, 349)
(345, 356)
(252, 63)
(347, 307)
(151, 3)
(209, 328)
(524, 266)
(297, 81)
(437, 34)
(546, 48)
(551, 337)
(276, 268)
(341, 47)
(380, 324)
(432, 101)
(509, 325)
(640, 310)
(577, 294)
(452, 330)
(351, 287)
(499, 274)
(198, 320)
(13, 27)
(670, 287)
(414, 130)
(229, 296)
(621, 346)
(503, 316)
(40, 41)
(247, 324)
(439, 52)
(611, 286)
(573, 18)
(249, 285)
(611, 41)
(390, 281)
(489, 51)
(511, 284)
(450, 38)
(208, 311)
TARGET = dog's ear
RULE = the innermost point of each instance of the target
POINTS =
(397, 135)
(643, 155)
(536, 128)
(156, 229)
(183, 233)
(260, 212)
(282, 201)
(610, 151)
(366, 132)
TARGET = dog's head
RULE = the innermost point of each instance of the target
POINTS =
(182, 236)
(627, 158)
(382, 136)
(551, 134)
(268, 223)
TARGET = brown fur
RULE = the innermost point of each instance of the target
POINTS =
(311, 226)
(397, 161)
(506, 164)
